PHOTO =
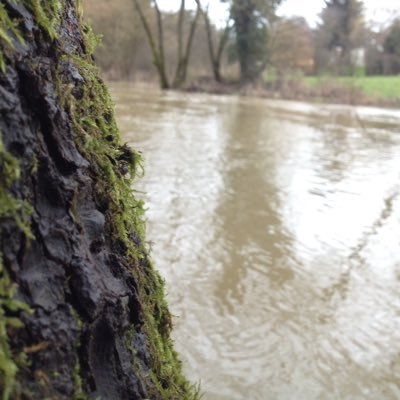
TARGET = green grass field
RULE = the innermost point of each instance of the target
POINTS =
(386, 87)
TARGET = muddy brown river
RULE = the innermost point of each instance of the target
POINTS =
(276, 226)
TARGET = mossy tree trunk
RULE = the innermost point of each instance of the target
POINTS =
(82, 311)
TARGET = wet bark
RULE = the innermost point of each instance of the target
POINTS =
(96, 328)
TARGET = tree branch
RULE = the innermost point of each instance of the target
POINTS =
(158, 54)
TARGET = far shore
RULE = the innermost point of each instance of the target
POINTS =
(329, 91)
(311, 89)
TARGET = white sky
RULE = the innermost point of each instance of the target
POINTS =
(377, 11)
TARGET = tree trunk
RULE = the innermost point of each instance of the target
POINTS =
(242, 11)
(180, 28)
(157, 51)
(215, 57)
(160, 60)
(82, 311)
(183, 58)
(251, 20)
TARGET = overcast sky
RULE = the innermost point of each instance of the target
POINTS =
(375, 10)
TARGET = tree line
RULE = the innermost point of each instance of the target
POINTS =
(253, 40)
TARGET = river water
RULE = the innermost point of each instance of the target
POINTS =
(276, 226)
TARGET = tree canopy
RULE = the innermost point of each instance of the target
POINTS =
(252, 22)
(339, 33)
(392, 41)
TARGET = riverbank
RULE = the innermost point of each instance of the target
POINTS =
(333, 91)
(275, 227)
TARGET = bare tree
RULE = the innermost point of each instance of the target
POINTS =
(184, 56)
(215, 56)
(156, 49)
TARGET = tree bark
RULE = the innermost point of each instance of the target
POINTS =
(82, 311)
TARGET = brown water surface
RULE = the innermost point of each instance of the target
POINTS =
(277, 228)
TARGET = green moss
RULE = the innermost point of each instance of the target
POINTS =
(8, 368)
(10, 208)
(78, 391)
(76, 374)
(8, 31)
(116, 167)
(47, 14)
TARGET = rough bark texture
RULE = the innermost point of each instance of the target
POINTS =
(71, 233)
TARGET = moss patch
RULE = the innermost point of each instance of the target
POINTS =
(8, 367)
(8, 33)
(116, 167)
(10, 308)
(10, 207)
(47, 14)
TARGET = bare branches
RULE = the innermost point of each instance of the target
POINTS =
(157, 51)
(157, 48)
(183, 58)
(215, 57)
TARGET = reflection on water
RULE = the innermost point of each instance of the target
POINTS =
(276, 226)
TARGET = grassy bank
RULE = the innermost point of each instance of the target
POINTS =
(381, 91)
(384, 87)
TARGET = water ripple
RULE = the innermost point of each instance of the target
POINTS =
(276, 227)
